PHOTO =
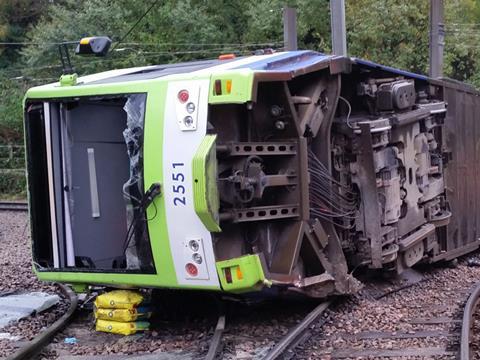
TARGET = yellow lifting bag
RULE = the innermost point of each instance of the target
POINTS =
(119, 299)
(122, 314)
(121, 328)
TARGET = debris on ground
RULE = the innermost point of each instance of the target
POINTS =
(16, 307)
(70, 340)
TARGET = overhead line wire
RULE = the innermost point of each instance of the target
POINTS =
(134, 25)
(86, 63)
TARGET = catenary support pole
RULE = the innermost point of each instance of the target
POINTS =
(290, 28)
(337, 24)
(437, 36)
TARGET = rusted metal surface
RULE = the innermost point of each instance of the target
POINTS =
(424, 353)
(215, 344)
(13, 206)
(367, 179)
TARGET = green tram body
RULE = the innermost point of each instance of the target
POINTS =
(254, 119)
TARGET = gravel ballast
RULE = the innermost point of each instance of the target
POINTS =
(423, 316)
(17, 277)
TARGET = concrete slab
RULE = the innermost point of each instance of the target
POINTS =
(8, 336)
(16, 307)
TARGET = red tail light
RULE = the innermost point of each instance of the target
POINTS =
(228, 275)
(191, 269)
(183, 96)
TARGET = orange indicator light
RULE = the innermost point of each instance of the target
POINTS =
(226, 57)
(229, 86)
(239, 273)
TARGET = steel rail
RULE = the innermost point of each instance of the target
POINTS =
(13, 206)
(467, 322)
(30, 349)
(289, 341)
(217, 338)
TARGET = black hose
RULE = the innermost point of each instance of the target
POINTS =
(41, 340)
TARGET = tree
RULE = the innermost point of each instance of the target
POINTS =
(15, 18)
(171, 32)
(396, 33)
(391, 32)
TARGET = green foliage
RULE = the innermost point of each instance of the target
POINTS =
(392, 32)
(313, 25)
(12, 175)
(15, 18)
(11, 125)
(171, 32)
(396, 32)
(13, 184)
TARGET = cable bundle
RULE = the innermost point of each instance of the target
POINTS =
(330, 200)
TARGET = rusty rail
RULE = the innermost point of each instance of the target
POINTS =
(291, 340)
(13, 206)
(468, 312)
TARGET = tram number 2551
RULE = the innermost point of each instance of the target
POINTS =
(178, 189)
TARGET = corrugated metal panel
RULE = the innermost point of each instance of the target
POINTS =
(462, 139)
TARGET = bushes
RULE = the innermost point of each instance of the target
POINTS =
(11, 113)
(13, 184)
(12, 173)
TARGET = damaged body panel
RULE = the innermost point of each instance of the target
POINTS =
(286, 170)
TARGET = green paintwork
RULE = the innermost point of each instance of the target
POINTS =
(68, 79)
(80, 288)
(242, 82)
(153, 145)
(252, 272)
(205, 190)
(242, 85)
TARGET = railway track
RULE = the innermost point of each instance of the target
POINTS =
(13, 206)
(428, 320)
(421, 321)
(440, 326)
(285, 348)
(467, 323)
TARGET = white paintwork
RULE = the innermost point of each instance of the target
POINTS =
(51, 193)
(181, 109)
(110, 74)
(68, 233)
(92, 176)
(183, 224)
(66, 203)
(188, 253)
(228, 65)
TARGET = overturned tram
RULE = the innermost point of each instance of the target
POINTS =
(283, 171)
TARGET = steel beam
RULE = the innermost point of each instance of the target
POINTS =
(437, 38)
(337, 24)
(290, 28)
